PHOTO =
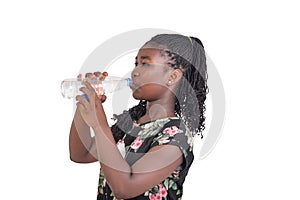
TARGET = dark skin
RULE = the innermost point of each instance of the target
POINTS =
(153, 81)
(81, 146)
(150, 63)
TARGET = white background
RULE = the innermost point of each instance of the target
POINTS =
(254, 44)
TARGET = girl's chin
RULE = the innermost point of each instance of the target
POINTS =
(136, 96)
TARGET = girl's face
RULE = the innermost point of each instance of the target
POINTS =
(150, 75)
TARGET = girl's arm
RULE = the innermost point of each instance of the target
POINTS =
(130, 181)
(125, 181)
(81, 145)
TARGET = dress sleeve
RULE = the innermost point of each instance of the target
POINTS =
(176, 133)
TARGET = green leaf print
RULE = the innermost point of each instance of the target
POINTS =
(174, 186)
(152, 128)
(155, 189)
(171, 182)
(166, 184)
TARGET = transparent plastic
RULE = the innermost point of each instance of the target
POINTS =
(70, 87)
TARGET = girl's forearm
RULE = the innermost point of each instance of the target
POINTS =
(107, 150)
(115, 168)
(80, 140)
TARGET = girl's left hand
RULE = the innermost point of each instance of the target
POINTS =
(91, 110)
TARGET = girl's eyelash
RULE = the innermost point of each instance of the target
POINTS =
(143, 64)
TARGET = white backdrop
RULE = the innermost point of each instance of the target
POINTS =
(254, 45)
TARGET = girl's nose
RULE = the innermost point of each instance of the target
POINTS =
(135, 74)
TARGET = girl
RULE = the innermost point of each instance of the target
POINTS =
(147, 153)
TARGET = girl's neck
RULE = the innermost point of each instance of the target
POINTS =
(158, 111)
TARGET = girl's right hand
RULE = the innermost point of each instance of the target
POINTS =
(99, 90)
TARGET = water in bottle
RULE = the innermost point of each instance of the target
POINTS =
(70, 87)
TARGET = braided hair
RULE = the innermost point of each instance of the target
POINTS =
(188, 55)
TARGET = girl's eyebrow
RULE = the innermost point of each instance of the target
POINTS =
(143, 57)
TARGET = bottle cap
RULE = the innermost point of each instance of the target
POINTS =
(129, 81)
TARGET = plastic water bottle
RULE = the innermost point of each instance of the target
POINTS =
(70, 87)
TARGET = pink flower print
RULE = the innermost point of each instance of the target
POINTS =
(136, 143)
(152, 196)
(163, 191)
(171, 131)
(158, 196)
(176, 171)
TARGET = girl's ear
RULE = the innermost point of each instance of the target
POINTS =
(174, 77)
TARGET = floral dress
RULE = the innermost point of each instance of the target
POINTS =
(139, 141)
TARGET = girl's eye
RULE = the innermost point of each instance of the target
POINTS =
(142, 64)
(145, 64)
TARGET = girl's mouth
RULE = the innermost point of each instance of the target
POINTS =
(133, 86)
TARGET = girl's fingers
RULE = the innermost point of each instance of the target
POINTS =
(90, 75)
(91, 91)
(100, 75)
(88, 86)
(103, 75)
(87, 94)
(102, 98)
(80, 106)
(85, 90)
(97, 74)
(81, 102)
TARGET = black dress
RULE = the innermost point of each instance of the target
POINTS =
(138, 141)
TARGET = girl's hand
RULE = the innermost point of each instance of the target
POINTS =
(91, 110)
(100, 76)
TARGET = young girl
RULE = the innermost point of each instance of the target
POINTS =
(147, 153)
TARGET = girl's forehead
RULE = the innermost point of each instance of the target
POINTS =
(147, 52)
